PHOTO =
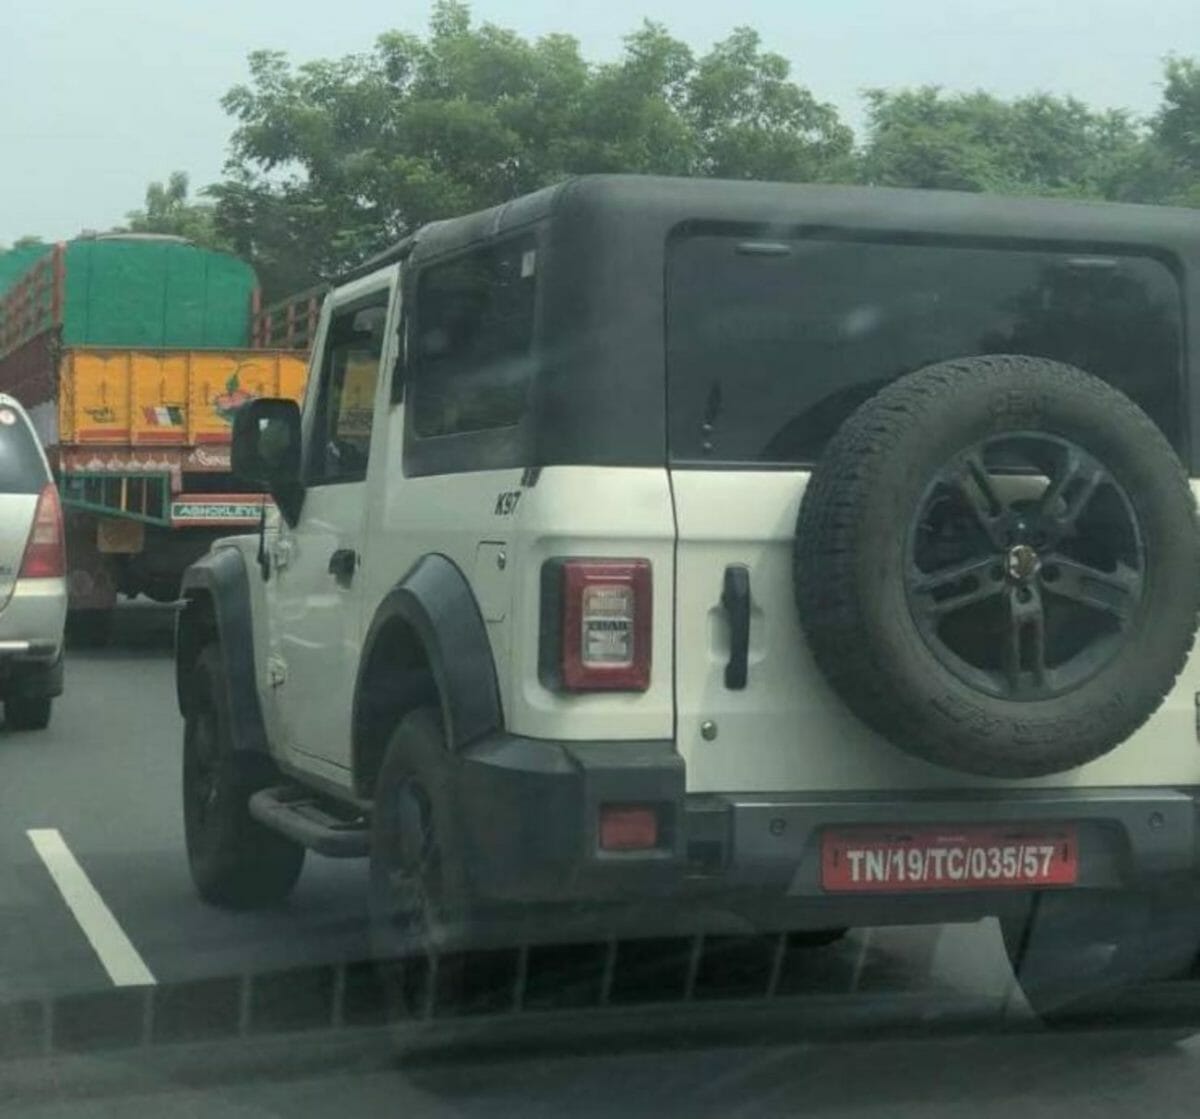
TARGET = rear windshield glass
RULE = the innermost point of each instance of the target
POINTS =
(21, 466)
(771, 344)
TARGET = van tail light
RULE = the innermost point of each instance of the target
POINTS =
(604, 610)
(45, 551)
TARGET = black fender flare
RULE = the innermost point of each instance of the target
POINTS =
(436, 603)
(216, 591)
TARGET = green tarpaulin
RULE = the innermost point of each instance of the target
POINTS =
(135, 292)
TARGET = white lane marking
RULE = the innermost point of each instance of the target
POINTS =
(108, 940)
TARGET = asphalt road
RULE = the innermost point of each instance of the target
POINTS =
(275, 1013)
(105, 774)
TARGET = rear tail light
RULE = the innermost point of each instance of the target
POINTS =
(604, 612)
(45, 556)
(628, 827)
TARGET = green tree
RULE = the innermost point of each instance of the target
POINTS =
(753, 122)
(28, 241)
(977, 142)
(1166, 167)
(333, 159)
(1176, 127)
(169, 210)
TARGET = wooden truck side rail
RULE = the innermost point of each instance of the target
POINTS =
(290, 324)
(33, 305)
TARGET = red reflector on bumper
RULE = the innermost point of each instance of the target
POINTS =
(626, 827)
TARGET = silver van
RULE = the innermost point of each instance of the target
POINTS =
(33, 583)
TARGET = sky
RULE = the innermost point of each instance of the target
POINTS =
(99, 98)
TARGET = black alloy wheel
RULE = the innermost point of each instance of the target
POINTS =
(1026, 566)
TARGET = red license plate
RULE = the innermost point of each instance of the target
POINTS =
(893, 859)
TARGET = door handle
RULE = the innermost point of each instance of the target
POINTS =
(343, 563)
(735, 599)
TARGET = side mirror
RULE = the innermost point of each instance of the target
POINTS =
(266, 451)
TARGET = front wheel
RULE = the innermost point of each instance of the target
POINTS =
(23, 713)
(1075, 954)
(235, 861)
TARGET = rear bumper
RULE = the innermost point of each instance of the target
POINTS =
(31, 639)
(531, 807)
(31, 677)
(35, 614)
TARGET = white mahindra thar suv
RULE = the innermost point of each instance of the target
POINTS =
(658, 555)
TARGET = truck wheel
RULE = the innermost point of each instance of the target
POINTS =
(998, 565)
(236, 862)
(24, 713)
(419, 905)
(89, 629)
(1076, 954)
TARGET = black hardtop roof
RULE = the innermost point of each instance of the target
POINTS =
(609, 200)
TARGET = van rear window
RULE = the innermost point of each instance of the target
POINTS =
(21, 467)
(772, 344)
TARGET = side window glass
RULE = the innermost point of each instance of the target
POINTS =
(341, 433)
(471, 351)
(21, 467)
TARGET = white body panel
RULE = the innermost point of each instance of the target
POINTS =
(449, 515)
(787, 730)
(315, 631)
(36, 611)
(316, 621)
(16, 519)
(32, 610)
(602, 513)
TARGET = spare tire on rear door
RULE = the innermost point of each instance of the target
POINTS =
(998, 565)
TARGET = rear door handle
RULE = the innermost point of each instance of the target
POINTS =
(343, 563)
(735, 598)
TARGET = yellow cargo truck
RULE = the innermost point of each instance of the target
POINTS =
(131, 355)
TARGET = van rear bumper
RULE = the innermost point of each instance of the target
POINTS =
(30, 670)
(32, 621)
(530, 811)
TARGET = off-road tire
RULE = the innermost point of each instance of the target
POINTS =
(89, 629)
(1081, 957)
(421, 911)
(27, 713)
(235, 861)
(851, 564)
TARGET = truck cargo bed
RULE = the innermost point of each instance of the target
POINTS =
(171, 397)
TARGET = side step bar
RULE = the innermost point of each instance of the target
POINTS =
(294, 813)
